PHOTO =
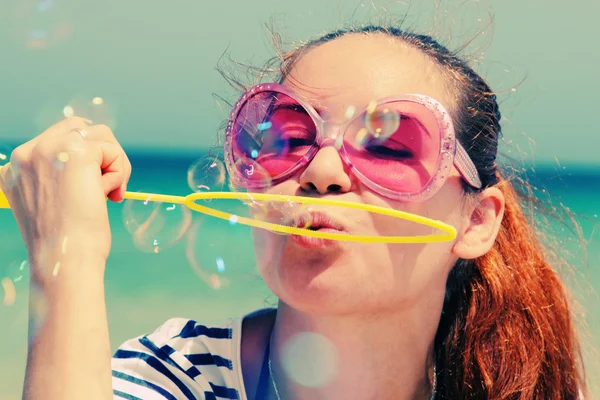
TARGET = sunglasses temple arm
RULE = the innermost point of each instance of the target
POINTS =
(465, 166)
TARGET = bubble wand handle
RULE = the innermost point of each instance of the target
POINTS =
(163, 198)
(3, 201)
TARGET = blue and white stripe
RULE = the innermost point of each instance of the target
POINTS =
(181, 360)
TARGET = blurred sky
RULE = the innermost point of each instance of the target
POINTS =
(153, 63)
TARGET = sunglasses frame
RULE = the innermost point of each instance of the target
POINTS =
(452, 152)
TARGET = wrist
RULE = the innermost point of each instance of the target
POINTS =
(77, 268)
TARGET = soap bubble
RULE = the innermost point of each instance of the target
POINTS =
(252, 172)
(288, 213)
(97, 109)
(382, 121)
(206, 174)
(18, 271)
(309, 359)
(249, 173)
(219, 260)
(273, 211)
(14, 279)
(155, 226)
(40, 24)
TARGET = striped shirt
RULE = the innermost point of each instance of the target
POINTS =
(181, 360)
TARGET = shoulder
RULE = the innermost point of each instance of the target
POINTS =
(182, 359)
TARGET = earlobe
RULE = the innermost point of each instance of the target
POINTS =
(481, 225)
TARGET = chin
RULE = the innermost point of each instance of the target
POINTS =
(316, 283)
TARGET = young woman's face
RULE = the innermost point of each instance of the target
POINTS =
(346, 277)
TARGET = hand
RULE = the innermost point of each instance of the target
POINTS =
(57, 184)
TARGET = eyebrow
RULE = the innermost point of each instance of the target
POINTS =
(293, 105)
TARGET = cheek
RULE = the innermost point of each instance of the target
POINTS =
(267, 248)
(445, 206)
(419, 263)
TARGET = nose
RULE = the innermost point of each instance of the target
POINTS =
(326, 173)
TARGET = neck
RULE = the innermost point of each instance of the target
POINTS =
(375, 356)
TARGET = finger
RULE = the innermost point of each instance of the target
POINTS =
(3, 173)
(117, 195)
(8, 177)
(66, 125)
(111, 159)
(104, 133)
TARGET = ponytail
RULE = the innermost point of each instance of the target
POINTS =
(506, 330)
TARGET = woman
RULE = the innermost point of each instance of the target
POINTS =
(483, 316)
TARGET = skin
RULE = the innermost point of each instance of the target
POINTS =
(63, 219)
(376, 308)
(378, 304)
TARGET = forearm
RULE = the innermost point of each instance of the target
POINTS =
(69, 350)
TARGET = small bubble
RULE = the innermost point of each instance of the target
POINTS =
(206, 174)
(513, 89)
(155, 226)
(96, 109)
(250, 173)
(40, 24)
(382, 122)
(288, 213)
(199, 253)
(233, 219)
(18, 271)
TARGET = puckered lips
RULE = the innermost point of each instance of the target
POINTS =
(317, 221)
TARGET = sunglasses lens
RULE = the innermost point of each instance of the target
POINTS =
(273, 131)
(395, 145)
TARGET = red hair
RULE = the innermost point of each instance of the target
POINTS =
(507, 330)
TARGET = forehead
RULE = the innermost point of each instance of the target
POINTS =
(355, 69)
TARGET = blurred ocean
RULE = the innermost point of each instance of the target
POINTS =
(144, 288)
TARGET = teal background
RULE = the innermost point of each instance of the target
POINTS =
(154, 66)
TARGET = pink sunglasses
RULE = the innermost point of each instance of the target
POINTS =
(401, 147)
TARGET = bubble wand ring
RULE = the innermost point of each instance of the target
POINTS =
(190, 202)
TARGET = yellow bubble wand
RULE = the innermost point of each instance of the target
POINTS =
(190, 201)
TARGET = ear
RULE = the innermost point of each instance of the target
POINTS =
(481, 224)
